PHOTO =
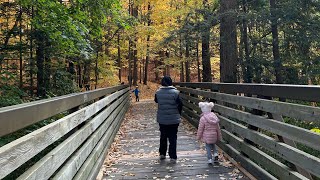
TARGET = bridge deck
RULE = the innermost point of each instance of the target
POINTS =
(135, 152)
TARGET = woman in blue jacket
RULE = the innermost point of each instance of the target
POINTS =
(168, 117)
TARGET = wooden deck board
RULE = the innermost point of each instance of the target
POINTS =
(139, 145)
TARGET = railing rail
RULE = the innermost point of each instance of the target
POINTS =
(71, 147)
(254, 130)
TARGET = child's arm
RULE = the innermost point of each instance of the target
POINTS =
(200, 129)
(219, 133)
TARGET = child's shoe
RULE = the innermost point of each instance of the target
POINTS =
(216, 159)
(210, 161)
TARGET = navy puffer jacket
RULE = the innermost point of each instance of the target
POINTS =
(169, 105)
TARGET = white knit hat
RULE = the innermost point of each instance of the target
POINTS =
(206, 106)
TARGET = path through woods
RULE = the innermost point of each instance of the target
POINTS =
(134, 154)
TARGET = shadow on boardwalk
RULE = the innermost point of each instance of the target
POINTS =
(134, 154)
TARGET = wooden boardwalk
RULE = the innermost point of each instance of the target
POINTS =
(135, 152)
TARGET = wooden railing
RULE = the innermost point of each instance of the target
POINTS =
(254, 128)
(72, 147)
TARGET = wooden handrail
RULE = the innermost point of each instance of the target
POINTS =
(287, 91)
(16, 117)
(241, 142)
(84, 135)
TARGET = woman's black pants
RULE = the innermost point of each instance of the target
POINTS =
(168, 132)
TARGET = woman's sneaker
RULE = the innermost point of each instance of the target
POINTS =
(173, 161)
(210, 161)
(162, 157)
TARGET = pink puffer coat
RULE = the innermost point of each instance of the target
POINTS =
(209, 129)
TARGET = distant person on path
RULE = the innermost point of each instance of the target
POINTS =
(168, 117)
(136, 93)
(209, 130)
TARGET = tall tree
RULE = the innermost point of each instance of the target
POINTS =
(145, 78)
(119, 57)
(135, 50)
(244, 33)
(187, 58)
(228, 41)
(275, 42)
(206, 64)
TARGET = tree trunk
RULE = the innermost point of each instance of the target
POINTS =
(40, 63)
(20, 49)
(96, 70)
(168, 65)
(187, 60)
(79, 75)
(228, 41)
(135, 51)
(156, 70)
(248, 72)
(198, 62)
(275, 42)
(181, 59)
(130, 64)
(140, 74)
(145, 78)
(206, 64)
(119, 57)
(130, 49)
(31, 55)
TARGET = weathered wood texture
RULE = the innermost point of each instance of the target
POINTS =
(83, 128)
(297, 92)
(10, 117)
(139, 156)
(235, 118)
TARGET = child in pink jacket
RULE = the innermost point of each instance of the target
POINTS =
(209, 130)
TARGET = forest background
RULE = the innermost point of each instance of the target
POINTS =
(51, 48)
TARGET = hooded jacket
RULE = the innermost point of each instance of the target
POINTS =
(209, 129)
(169, 105)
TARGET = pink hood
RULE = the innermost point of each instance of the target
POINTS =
(210, 117)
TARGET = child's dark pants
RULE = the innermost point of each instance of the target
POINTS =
(168, 132)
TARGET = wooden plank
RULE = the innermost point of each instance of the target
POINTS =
(290, 142)
(296, 156)
(245, 162)
(191, 113)
(44, 168)
(99, 162)
(190, 119)
(237, 164)
(277, 168)
(76, 162)
(297, 92)
(16, 153)
(302, 112)
(69, 170)
(191, 106)
(295, 133)
(101, 147)
(10, 117)
(193, 99)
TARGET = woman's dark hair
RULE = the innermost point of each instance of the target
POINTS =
(166, 81)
